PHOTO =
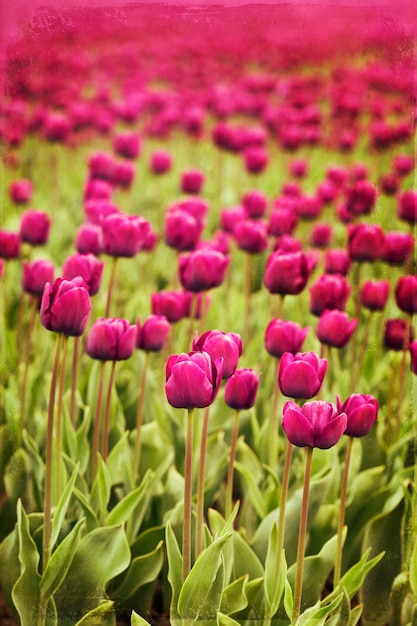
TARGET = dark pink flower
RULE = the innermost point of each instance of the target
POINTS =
(160, 162)
(229, 218)
(111, 339)
(9, 245)
(123, 235)
(366, 242)
(251, 236)
(202, 270)
(35, 275)
(406, 294)
(286, 273)
(20, 191)
(407, 206)
(398, 247)
(192, 181)
(171, 304)
(413, 356)
(398, 334)
(256, 159)
(101, 165)
(88, 267)
(192, 380)
(329, 291)
(301, 375)
(316, 424)
(127, 144)
(374, 294)
(337, 261)
(321, 235)
(182, 230)
(65, 306)
(255, 204)
(283, 220)
(335, 328)
(361, 411)
(284, 336)
(220, 344)
(152, 335)
(241, 389)
(89, 239)
(34, 227)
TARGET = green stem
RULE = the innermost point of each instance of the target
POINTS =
(357, 363)
(229, 484)
(106, 424)
(298, 588)
(49, 469)
(74, 365)
(282, 506)
(188, 487)
(248, 299)
(58, 442)
(342, 509)
(200, 484)
(32, 318)
(97, 420)
(111, 286)
(139, 418)
(274, 429)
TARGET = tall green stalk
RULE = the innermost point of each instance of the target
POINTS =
(200, 484)
(139, 418)
(230, 471)
(342, 509)
(188, 489)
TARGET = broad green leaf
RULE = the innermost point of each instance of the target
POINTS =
(174, 568)
(274, 580)
(355, 615)
(201, 585)
(245, 559)
(353, 579)
(137, 620)
(254, 493)
(26, 591)
(288, 599)
(100, 492)
(317, 615)
(226, 620)
(124, 509)
(234, 597)
(62, 506)
(103, 615)
(90, 516)
(142, 570)
(59, 562)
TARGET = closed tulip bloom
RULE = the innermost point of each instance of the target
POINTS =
(282, 221)
(301, 375)
(299, 168)
(65, 306)
(88, 267)
(182, 231)
(202, 270)
(21, 191)
(407, 206)
(195, 206)
(406, 294)
(101, 165)
(96, 189)
(337, 261)
(172, 304)
(89, 239)
(256, 159)
(389, 184)
(123, 174)
(329, 291)
(366, 242)
(335, 329)
(403, 164)
(127, 144)
(111, 339)
(97, 209)
(241, 389)
(123, 235)
(220, 344)
(10, 244)
(309, 207)
(229, 218)
(192, 181)
(316, 424)
(35, 275)
(286, 273)
(34, 227)
(152, 335)
(398, 247)
(374, 294)
(255, 204)
(413, 355)
(192, 380)
(361, 197)
(361, 411)
(284, 336)
(321, 235)
(251, 236)
(160, 162)
(398, 334)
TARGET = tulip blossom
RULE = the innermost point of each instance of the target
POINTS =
(111, 339)
(255, 204)
(316, 424)
(229, 218)
(397, 334)
(88, 267)
(361, 198)
(192, 380)
(152, 335)
(337, 261)
(35, 275)
(123, 174)
(9, 245)
(241, 389)
(251, 236)
(374, 294)
(89, 239)
(413, 355)
(284, 336)
(182, 230)
(20, 191)
(172, 304)
(123, 235)
(101, 165)
(256, 159)
(202, 270)
(192, 181)
(97, 209)
(301, 375)
(127, 144)
(366, 242)
(407, 206)
(329, 291)
(160, 162)
(335, 329)
(283, 220)
(220, 344)
(403, 164)
(286, 273)
(398, 247)
(406, 294)
(361, 411)
(65, 306)
(96, 189)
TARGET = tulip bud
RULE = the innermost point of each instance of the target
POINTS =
(241, 389)
(337, 261)
(366, 242)
(9, 245)
(335, 328)
(182, 230)
(286, 273)
(192, 181)
(406, 294)
(407, 206)
(160, 162)
(413, 355)
(123, 235)
(316, 424)
(20, 191)
(88, 239)
(301, 375)
(65, 306)
(256, 159)
(127, 145)
(284, 336)
(192, 380)
(398, 247)
(152, 335)
(398, 334)
(374, 294)
(361, 411)
(111, 340)
(202, 270)
(88, 267)
(329, 291)
(36, 275)
(254, 203)
(172, 304)
(220, 344)
(251, 236)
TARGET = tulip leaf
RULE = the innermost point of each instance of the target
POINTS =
(90, 516)
(317, 614)
(26, 591)
(103, 615)
(234, 597)
(100, 492)
(245, 559)
(124, 509)
(274, 581)
(142, 570)
(174, 568)
(137, 620)
(59, 562)
(62, 506)
(226, 620)
(200, 595)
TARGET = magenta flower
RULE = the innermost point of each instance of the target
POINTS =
(123, 235)
(374, 294)
(127, 144)
(97, 209)
(192, 380)
(286, 273)
(284, 336)
(361, 411)
(171, 304)
(398, 247)
(65, 306)
(96, 189)
(282, 220)
(317, 424)
(329, 291)
(182, 230)
(220, 344)
(9, 245)
(335, 329)
(111, 339)
(251, 236)
(406, 294)
(35, 275)
(152, 335)
(337, 261)
(361, 198)
(256, 159)
(398, 334)
(101, 165)
(407, 206)
(20, 191)
(123, 174)
(255, 204)
(241, 389)
(192, 181)
(88, 267)
(229, 218)
(403, 164)
(413, 356)
(321, 235)
(89, 239)
(34, 227)
(366, 242)
(160, 161)
(301, 375)
(202, 270)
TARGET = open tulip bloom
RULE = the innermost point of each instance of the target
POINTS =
(193, 379)
(316, 424)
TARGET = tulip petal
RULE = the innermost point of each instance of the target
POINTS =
(188, 386)
(297, 427)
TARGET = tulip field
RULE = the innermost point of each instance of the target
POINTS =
(208, 297)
